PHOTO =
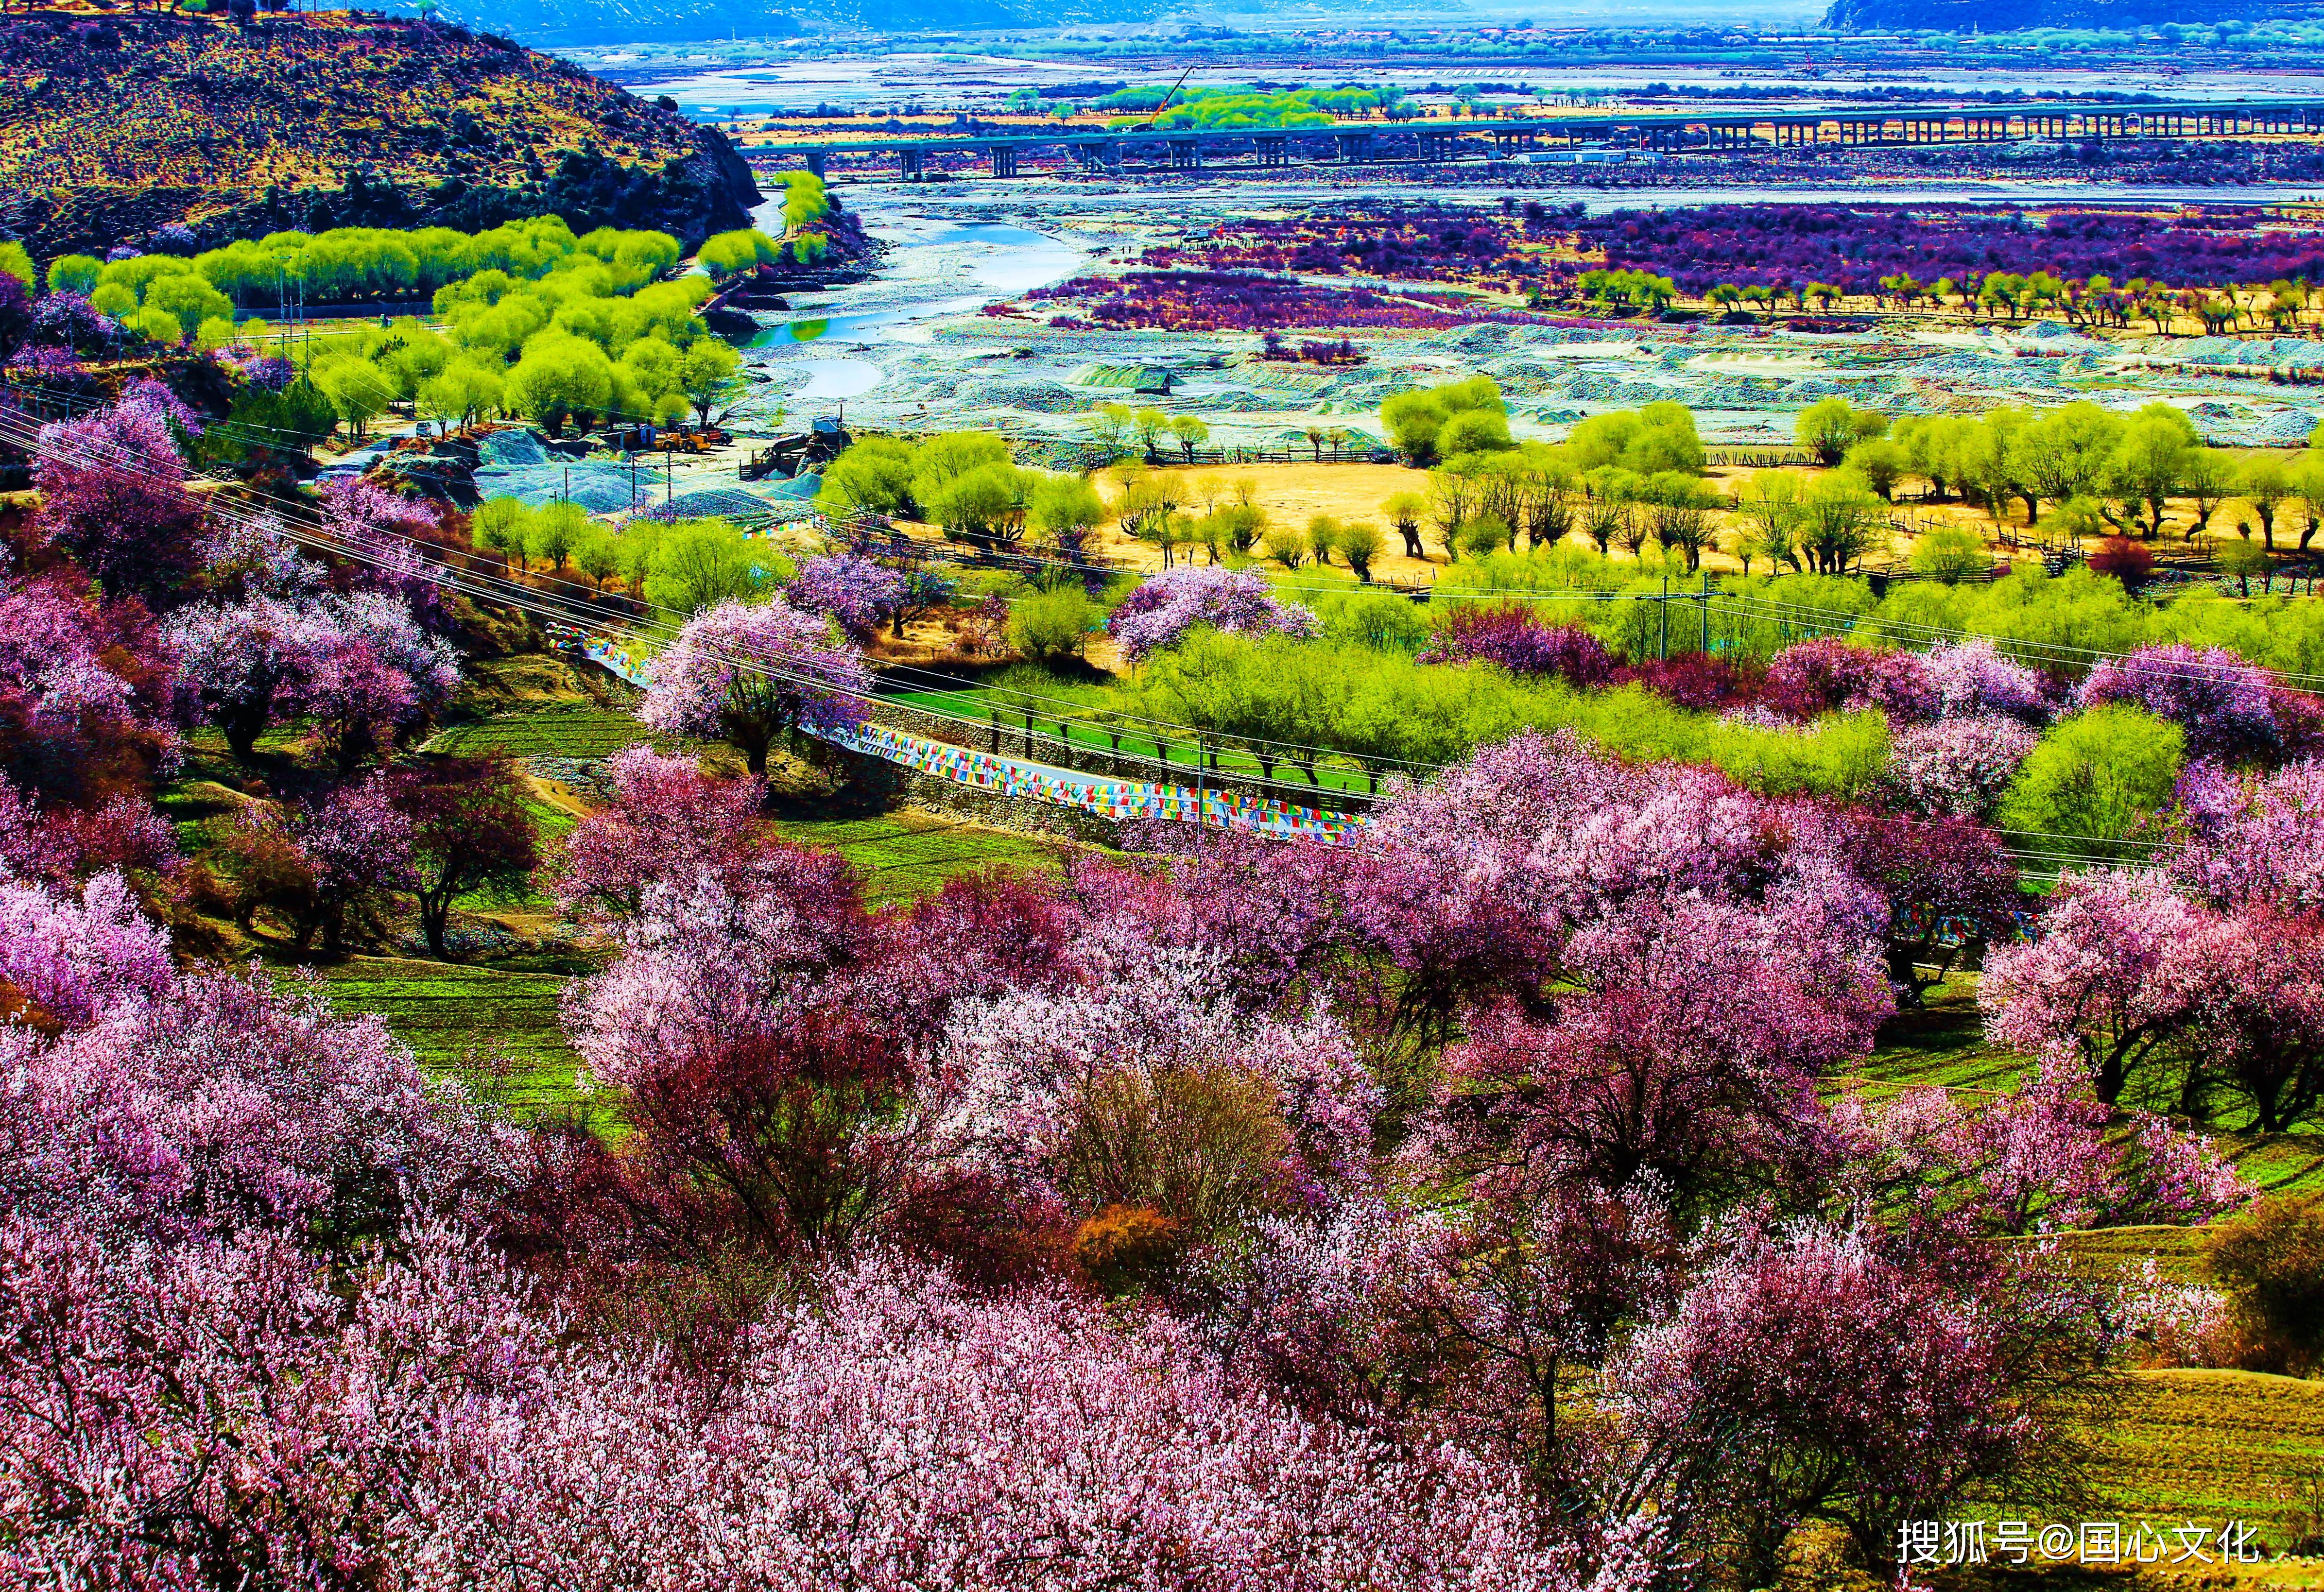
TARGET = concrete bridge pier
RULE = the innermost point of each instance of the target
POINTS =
(909, 159)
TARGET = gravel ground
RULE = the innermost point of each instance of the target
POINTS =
(913, 350)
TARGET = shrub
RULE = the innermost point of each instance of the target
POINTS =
(1660, 437)
(1509, 634)
(2270, 1262)
(1950, 553)
(2125, 560)
(1419, 422)
(1051, 624)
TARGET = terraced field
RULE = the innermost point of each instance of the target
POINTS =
(911, 853)
(2210, 1446)
(492, 1026)
(575, 730)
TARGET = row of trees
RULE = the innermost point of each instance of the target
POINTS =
(354, 264)
(2099, 471)
(535, 322)
(2103, 268)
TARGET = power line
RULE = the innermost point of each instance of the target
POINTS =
(428, 565)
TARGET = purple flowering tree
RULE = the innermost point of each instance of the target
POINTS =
(1972, 679)
(855, 594)
(1957, 767)
(395, 539)
(1853, 1375)
(2253, 844)
(1828, 674)
(70, 961)
(373, 676)
(2225, 705)
(1164, 608)
(113, 494)
(752, 674)
(1509, 634)
(240, 663)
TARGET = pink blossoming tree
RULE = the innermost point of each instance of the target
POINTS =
(753, 675)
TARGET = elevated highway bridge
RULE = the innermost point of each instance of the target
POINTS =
(1557, 139)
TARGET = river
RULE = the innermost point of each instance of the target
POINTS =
(937, 268)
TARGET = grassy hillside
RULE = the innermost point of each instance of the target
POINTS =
(112, 125)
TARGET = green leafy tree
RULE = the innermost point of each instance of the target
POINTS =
(1191, 431)
(463, 393)
(700, 565)
(1830, 427)
(73, 273)
(2146, 470)
(359, 391)
(707, 375)
(598, 555)
(1065, 507)
(503, 526)
(1360, 544)
(560, 379)
(874, 476)
(556, 529)
(989, 503)
(1882, 462)
(2098, 776)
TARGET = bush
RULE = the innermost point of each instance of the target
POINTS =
(1051, 624)
(2124, 559)
(1952, 554)
(2269, 1261)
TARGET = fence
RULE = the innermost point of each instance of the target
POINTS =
(1117, 799)
(1324, 453)
(1771, 457)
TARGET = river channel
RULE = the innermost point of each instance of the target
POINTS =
(839, 345)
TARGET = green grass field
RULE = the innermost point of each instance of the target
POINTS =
(910, 853)
(581, 731)
(492, 1026)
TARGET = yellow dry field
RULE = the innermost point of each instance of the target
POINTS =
(1293, 495)
(2210, 1446)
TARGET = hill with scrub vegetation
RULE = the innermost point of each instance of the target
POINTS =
(1990, 16)
(115, 127)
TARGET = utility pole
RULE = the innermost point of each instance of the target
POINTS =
(1201, 798)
